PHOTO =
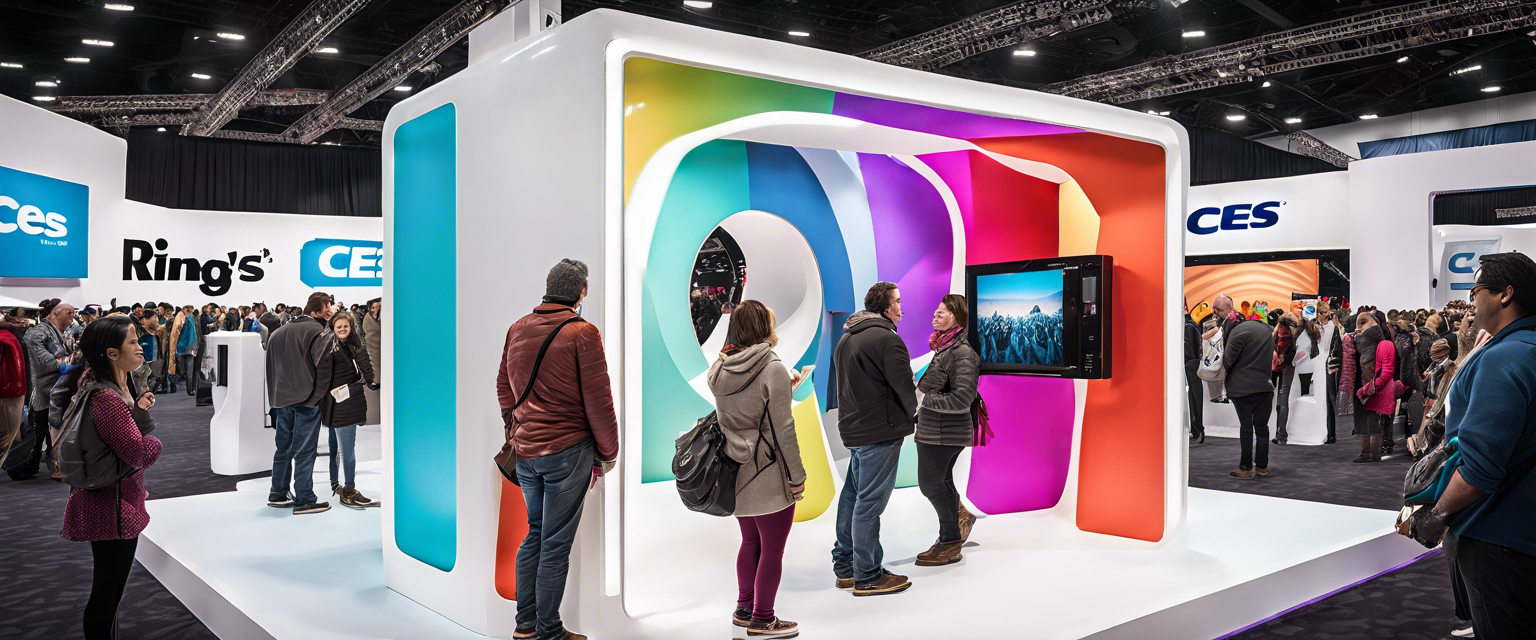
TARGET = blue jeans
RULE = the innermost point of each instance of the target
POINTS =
(554, 487)
(866, 490)
(298, 432)
(345, 455)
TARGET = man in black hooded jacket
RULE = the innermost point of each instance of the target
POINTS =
(877, 403)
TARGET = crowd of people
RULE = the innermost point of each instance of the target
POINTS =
(107, 366)
(1462, 377)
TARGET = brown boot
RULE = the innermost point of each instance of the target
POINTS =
(1376, 448)
(940, 554)
(967, 522)
(775, 628)
(887, 583)
(1365, 450)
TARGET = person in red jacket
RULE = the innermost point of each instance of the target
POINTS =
(564, 427)
(111, 518)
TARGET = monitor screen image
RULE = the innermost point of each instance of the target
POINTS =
(1018, 317)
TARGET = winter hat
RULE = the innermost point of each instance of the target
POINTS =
(565, 281)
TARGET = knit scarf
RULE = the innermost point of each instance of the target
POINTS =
(941, 339)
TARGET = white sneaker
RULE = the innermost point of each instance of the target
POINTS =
(1464, 633)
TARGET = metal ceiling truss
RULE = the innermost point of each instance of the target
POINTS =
(1303, 143)
(1360, 36)
(1001, 27)
(395, 67)
(297, 40)
(183, 118)
(181, 101)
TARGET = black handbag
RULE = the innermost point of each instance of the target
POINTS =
(506, 459)
(706, 475)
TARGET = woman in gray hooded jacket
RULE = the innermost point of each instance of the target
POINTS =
(753, 401)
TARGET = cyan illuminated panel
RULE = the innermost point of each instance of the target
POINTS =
(426, 407)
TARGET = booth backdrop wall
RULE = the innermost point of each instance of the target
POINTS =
(137, 252)
(1273, 282)
(1391, 252)
(1311, 213)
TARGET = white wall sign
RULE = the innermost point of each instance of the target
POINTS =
(1299, 213)
(140, 252)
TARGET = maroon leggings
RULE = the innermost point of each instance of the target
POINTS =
(760, 563)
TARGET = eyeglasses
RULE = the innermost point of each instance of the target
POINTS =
(1472, 295)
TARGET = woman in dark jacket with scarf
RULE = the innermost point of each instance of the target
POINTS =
(945, 427)
(342, 370)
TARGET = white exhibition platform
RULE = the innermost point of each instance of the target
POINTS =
(249, 571)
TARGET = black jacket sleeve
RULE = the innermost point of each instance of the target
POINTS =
(1191, 346)
(897, 367)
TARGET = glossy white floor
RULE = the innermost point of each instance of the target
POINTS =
(249, 571)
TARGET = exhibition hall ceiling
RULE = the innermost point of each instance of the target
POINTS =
(175, 47)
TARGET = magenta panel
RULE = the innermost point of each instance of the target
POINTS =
(944, 122)
(914, 246)
(1024, 466)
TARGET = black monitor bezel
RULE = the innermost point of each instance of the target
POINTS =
(1071, 307)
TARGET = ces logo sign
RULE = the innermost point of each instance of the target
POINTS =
(1234, 217)
(43, 226)
(328, 262)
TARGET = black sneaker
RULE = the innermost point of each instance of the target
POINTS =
(313, 507)
(279, 500)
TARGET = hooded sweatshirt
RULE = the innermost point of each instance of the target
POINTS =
(753, 399)
(876, 391)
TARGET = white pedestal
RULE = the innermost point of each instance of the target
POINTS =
(238, 441)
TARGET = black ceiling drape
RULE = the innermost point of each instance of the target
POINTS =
(185, 172)
(1217, 156)
(1486, 207)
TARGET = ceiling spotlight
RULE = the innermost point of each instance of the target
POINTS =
(1163, 113)
(231, 36)
(1462, 70)
(161, 129)
(1236, 117)
(11, 65)
(112, 6)
(1194, 34)
(46, 83)
(1402, 59)
(1265, 85)
(800, 34)
(1028, 53)
(1368, 116)
(1152, 111)
(698, 4)
(201, 76)
(97, 43)
(402, 88)
(77, 60)
(1293, 120)
(1492, 89)
(43, 98)
(327, 50)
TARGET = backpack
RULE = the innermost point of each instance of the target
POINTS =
(13, 368)
(706, 475)
(1407, 365)
(85, 461)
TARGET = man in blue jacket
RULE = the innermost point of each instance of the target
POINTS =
(1487, 515)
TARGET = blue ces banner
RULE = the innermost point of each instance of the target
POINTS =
(44, 226)
(329, 262)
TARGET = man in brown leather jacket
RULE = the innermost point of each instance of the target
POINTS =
(563, 432)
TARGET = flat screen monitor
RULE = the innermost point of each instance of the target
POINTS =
(1046, 317)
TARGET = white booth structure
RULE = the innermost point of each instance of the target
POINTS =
(238, 440)
(624, 142)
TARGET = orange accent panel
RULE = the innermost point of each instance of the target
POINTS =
(1272, 282)
(1121, 475)
(514, 527)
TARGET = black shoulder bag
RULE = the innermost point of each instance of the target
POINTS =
(506, 459)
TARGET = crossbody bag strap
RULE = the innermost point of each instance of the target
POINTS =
(534, 374)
